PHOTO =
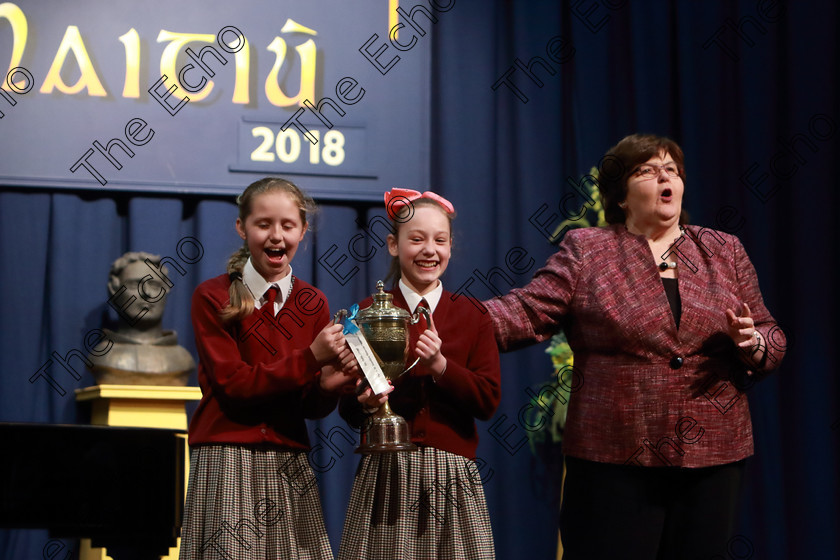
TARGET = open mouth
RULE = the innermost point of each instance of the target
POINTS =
(275, 255)
(666, 195)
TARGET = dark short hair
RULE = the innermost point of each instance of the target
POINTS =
(622, 160)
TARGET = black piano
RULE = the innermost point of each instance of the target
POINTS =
(121, 487)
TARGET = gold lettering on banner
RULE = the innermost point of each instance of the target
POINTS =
(20, 29)
(88, 81)
(177, 41)
(72, 41)
(392, 16)
(131, 41)
(168, 59)
(242, 61)
(307, 53)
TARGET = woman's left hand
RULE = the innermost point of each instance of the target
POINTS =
(742, 331)
(741, 327)
(428, 350)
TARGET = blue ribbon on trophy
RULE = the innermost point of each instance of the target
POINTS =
(365, 356)
(345, 317)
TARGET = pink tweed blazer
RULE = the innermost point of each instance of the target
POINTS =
(644, 392)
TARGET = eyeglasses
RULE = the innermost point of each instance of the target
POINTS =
(651, 171)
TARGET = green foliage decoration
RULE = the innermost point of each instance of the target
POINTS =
(550, 431)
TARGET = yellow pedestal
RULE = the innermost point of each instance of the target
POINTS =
(141, 406)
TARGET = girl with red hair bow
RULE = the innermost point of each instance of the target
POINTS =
(427, 503)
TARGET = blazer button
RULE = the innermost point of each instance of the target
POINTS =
(676, 362)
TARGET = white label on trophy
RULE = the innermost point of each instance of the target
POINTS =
(367, 361)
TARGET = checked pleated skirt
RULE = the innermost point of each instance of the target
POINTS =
(421, 505)
(249, 503)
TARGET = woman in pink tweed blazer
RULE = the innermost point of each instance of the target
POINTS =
(668, 329)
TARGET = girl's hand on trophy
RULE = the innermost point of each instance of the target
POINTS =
(334, 379)
(370, 401)
(329, 343)
(428, 350)
(347, 361)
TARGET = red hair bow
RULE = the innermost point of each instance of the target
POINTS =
(397, 198)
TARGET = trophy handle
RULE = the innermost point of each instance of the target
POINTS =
(421, 311)
(409, 368)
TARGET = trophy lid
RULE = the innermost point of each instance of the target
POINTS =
(382, 308)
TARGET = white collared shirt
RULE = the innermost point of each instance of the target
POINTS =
(258, 286)
(412, 298)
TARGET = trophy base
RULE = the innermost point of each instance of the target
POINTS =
(385, 432)
(390, 448)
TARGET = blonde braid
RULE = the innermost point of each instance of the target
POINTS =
(241, 301)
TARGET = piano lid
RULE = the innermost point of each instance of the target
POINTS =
(120, 486)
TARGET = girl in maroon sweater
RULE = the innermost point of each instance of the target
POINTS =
(427, 503)
(268, 358)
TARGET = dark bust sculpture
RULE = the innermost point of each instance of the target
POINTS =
(143, 353)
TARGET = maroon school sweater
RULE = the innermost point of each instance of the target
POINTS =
(258, 378)
(442, 414)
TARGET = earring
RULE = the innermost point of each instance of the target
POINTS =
(622, 205)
